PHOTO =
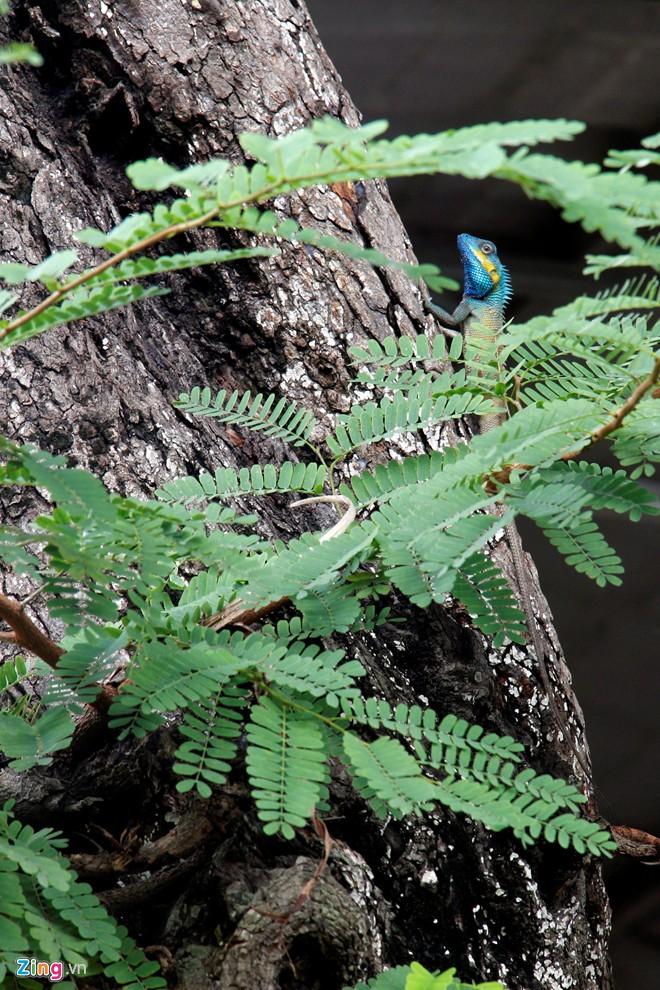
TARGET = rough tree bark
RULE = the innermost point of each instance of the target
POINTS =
(199, 881)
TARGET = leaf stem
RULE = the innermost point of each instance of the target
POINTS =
(110, 262)
(617, 419)
(288, 702)
(504, 476)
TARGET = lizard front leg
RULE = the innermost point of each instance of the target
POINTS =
(455, 319)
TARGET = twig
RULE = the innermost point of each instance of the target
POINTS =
(237, 613)
(305, 891)
(503, 476)
(151, 887)
(192, 832)
(27, 634)
(615, 422)
(640, 845)
(33, 594)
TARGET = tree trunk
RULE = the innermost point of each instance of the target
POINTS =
(199, 881)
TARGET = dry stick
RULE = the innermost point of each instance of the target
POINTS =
(237, 613)
(338, 500)
(640, 845)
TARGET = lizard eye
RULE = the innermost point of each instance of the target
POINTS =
(487, 248)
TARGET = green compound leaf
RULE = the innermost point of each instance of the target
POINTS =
(389, 777)
(282, 419)
(211, 729)
(266, 479)
(78, 305)
(286, 763)
(405, 413)
(585, 548)
(30, 744)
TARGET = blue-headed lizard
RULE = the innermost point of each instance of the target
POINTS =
(480, 317)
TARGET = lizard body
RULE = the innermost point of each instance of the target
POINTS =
(480, 316)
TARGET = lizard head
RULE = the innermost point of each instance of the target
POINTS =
(483, 272)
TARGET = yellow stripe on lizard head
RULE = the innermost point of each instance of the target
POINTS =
(487, 264)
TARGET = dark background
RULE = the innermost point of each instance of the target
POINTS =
(427, 65)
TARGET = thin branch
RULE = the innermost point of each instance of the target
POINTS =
(35, 594)
(308, 887)
(617, 419)
(640, 845)
(503, 476)
(192, 832)
(110, 262)
(237, 613)
(151, 886)
(27, 634)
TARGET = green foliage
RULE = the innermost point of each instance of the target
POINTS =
(413, 722)
(388, 776)
(17, 51)
(586, 549)
(416, 977)
(309, 697)
(267, 222)
(80, 304)
(487, 596)
(617, 204)
(28, 744)
(135, 583)
(326, 152)
(144, 267)
(605, 488)
(257, 480)
(45, 911)
(12, 672)
(211, 728)
(377, 485)
(305, 565)
(637, 443)
(281, 419)
(397, 352)
(420, 408)
(286, 765)
(480, 776)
